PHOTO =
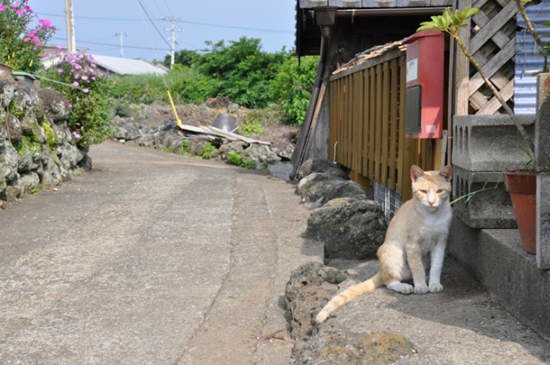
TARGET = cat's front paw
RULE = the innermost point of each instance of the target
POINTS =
(436, 287)
(420, 289)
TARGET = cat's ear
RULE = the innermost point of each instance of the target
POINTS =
(416, 172)
(446, 172)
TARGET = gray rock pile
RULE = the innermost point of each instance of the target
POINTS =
(349, 225)
(36, 145)
(153, 126)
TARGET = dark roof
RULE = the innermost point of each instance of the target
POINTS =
(369, 22)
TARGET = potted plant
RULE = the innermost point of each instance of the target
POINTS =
(521, 184)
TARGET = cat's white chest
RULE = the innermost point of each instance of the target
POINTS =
(434, 228)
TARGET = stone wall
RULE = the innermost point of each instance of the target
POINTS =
(36, 146)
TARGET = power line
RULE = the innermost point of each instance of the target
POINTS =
(85, 17)
(153, 23)
(237, 27)
(205, 24)
(113, 44)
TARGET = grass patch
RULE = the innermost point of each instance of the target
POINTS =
(233, 158)
(209, 148)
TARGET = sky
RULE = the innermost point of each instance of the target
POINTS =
(98, 21)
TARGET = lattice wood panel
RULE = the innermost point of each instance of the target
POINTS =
(492, 43)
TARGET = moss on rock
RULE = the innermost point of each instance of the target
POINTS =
(51, 138)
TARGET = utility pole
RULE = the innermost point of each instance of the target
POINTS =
(121, 36)
(69, 18)
(173, 29)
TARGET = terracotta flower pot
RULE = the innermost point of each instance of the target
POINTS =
(522, 187)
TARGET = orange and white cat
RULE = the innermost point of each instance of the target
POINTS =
(419, 229)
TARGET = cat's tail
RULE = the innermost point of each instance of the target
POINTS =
(347, 295)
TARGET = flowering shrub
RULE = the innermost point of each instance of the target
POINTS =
(84, 86)
(20, 44)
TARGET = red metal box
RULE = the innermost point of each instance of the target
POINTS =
(425, 84)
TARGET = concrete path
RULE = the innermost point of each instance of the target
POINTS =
(151, 258)
(155, 258)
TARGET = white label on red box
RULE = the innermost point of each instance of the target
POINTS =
(412, 70)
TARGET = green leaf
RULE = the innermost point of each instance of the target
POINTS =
(447, 18)
(427, 26)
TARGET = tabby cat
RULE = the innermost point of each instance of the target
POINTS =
(420, 227)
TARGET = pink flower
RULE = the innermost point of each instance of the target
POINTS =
(75, 84)
(19, 12)
(85, 90)
(77, 66)
(85, 78)
(59, 69)
(2, 7)
(45, 23)
(76, 134)
(15, 5)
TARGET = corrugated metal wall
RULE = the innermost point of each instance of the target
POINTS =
(528, 60)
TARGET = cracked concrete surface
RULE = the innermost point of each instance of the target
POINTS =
(150, 259)
(154, 258)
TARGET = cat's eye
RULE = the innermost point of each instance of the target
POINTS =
(424, 191)
(439, 191)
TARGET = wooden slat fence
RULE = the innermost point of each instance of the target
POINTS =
(367, 124)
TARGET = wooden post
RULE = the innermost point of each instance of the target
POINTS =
(462, 75)
(542, 152)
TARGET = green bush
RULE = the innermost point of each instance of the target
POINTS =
(84, 87)
(240, 71)
(244, 71)
(248, 164)
(250, 127)
(187, 85)
(292, 87)
(208, 150)
(233, 158)
(137, 88)
(21, 44)
(190, 86)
